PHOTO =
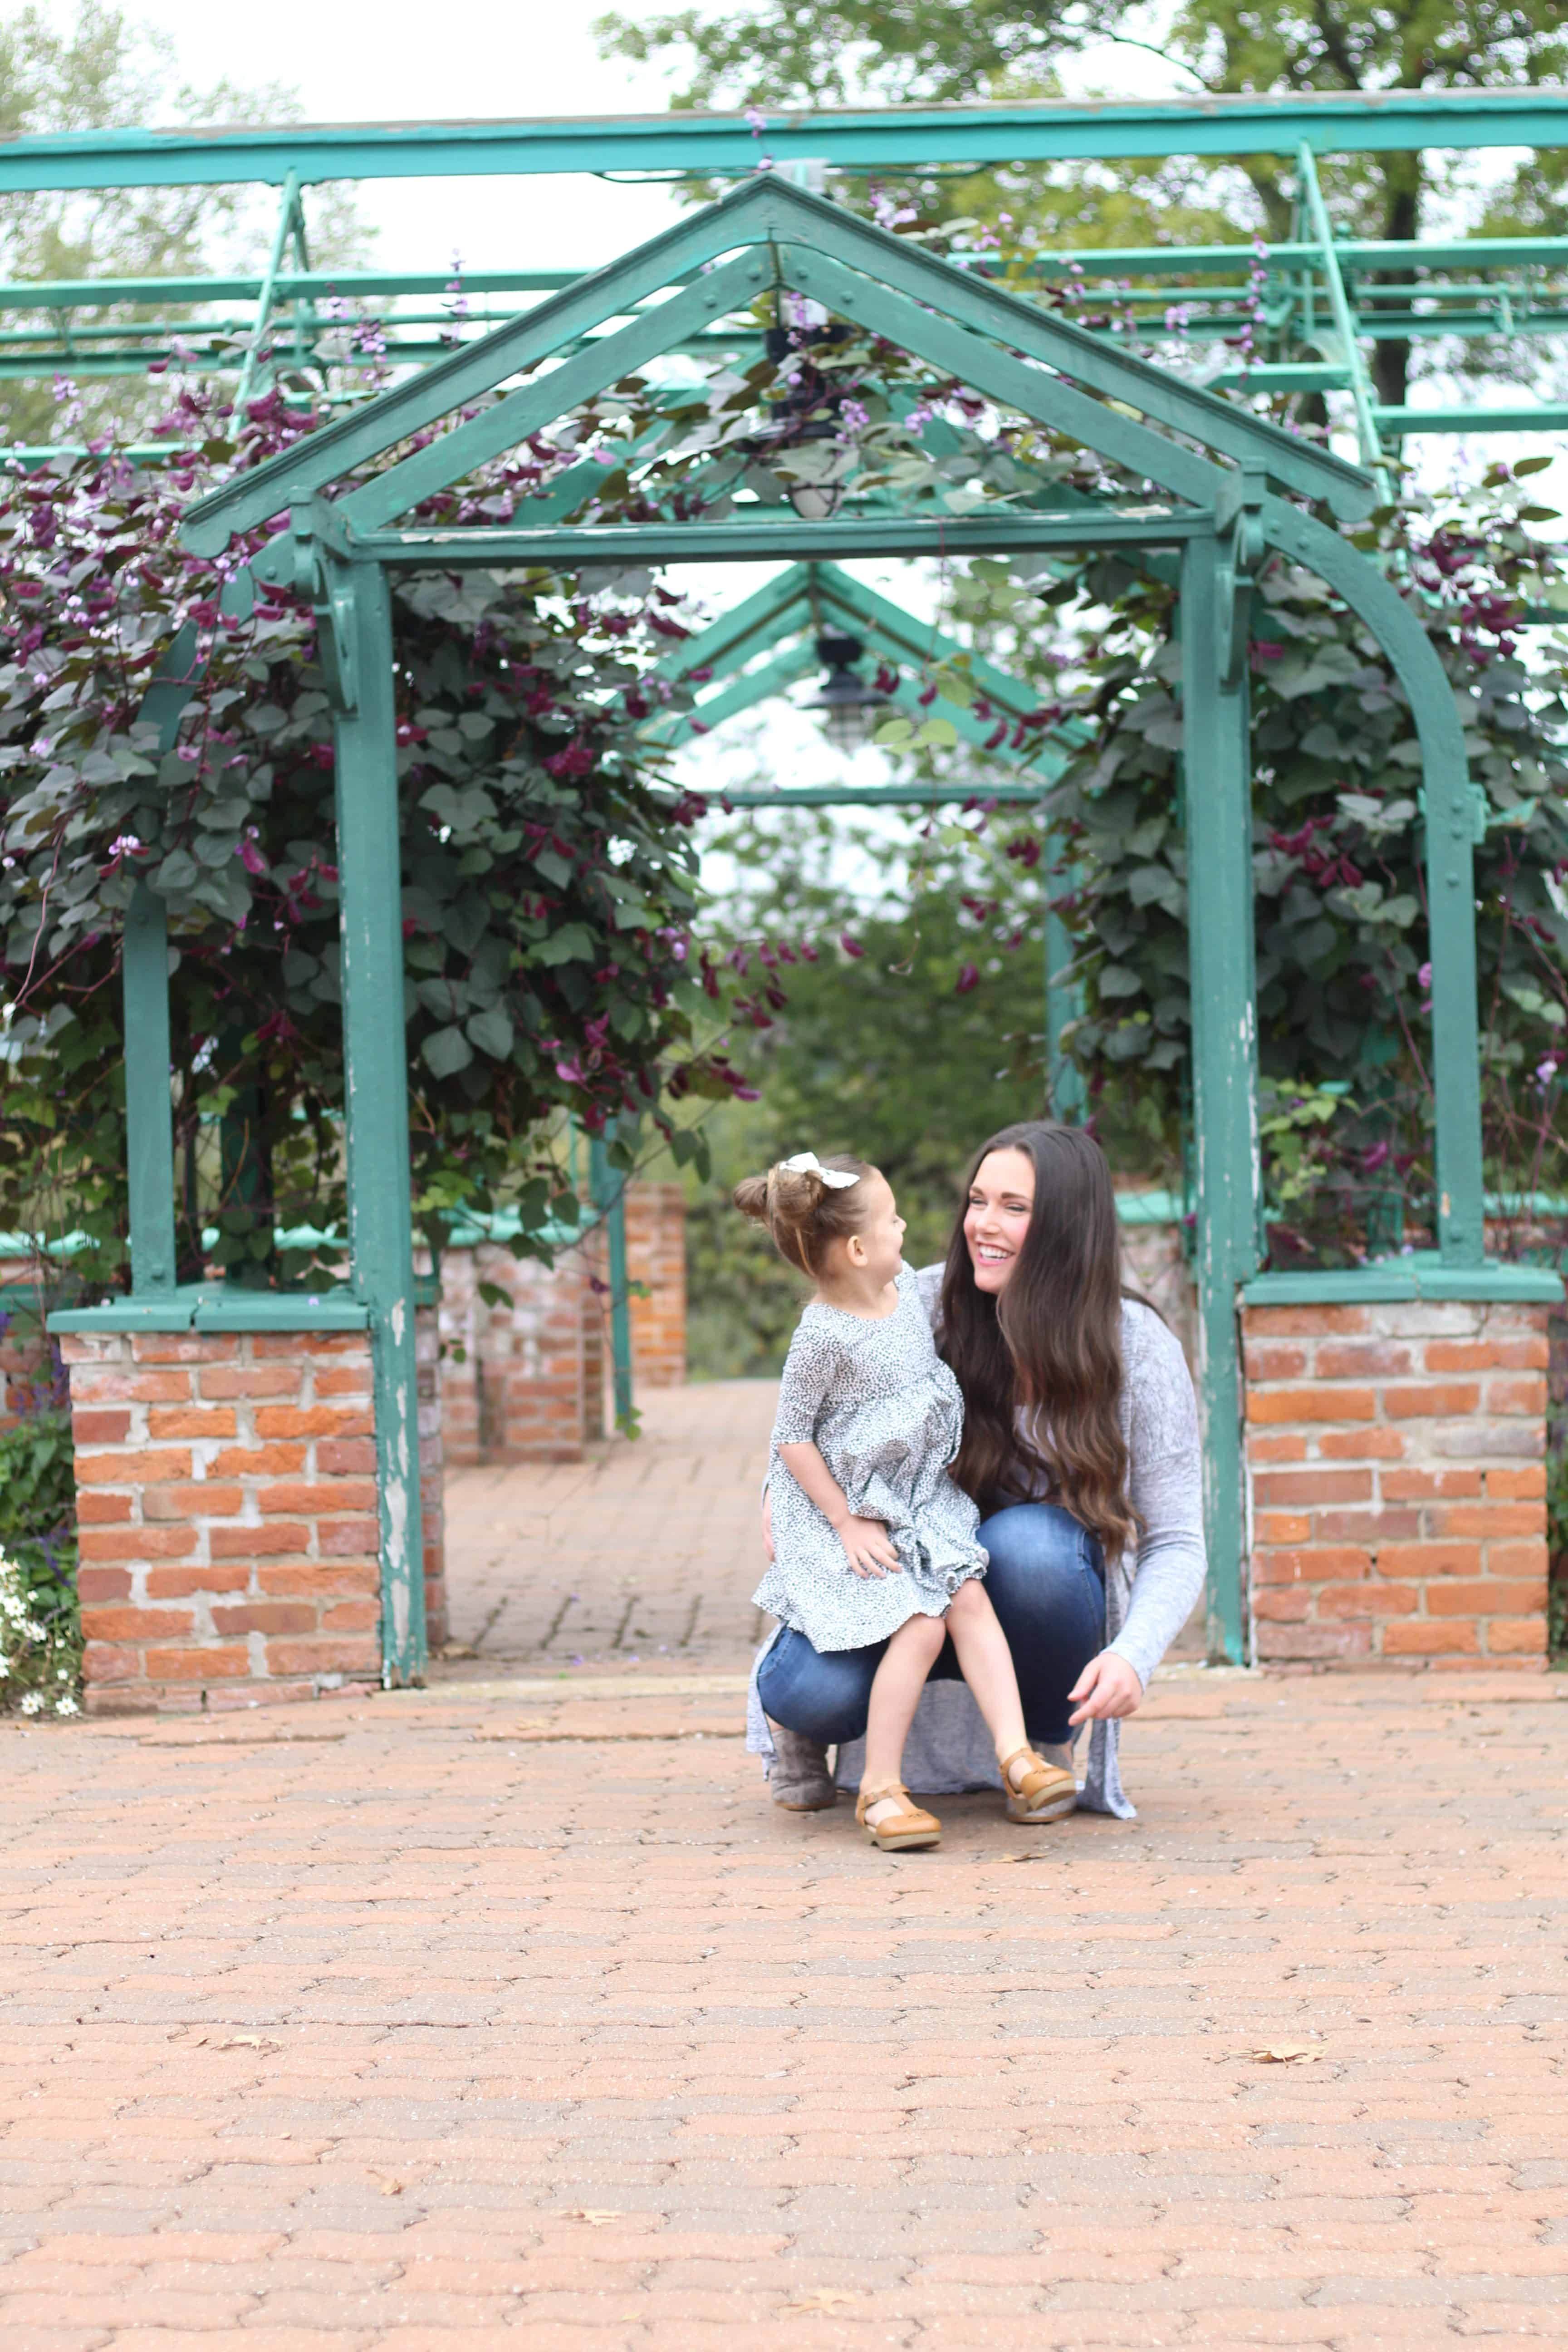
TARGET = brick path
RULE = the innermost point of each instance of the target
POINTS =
(646, 1550)
(511, 2011)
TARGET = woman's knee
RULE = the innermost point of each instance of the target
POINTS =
(1043, 1568)
(822, 1695)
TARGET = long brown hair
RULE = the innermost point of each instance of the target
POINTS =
(1051, 1340)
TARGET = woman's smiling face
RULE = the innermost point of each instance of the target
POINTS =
(1001, 1202)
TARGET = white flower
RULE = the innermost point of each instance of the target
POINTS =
(32, 1702)
(67, 1706)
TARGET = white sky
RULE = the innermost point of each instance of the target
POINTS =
(396, 62)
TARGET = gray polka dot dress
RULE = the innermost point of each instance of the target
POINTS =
(885, 1413)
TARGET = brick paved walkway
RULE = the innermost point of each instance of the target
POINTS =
(646, 1551)
(512, 2012)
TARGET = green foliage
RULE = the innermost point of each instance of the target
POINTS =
(1557, 1551)
(547, 886)
(40, 1624)
(1339, 866)
(906, 1051)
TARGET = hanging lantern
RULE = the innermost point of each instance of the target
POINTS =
(847, 703)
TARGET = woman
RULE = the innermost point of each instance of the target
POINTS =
(1080, 1445)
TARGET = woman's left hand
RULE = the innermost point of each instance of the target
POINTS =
(1107, 1687)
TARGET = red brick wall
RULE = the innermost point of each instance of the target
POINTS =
(656, 1257)
(432, 1475)
(226, 1504)
(1395, 1459)
(524, 1381)
(25, 1354)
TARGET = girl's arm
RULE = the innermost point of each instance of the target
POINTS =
(864, 1541)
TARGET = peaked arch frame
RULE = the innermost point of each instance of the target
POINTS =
(1220, 506)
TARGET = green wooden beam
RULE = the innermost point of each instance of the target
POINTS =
(1529, 416)
(288, 286)
(870, 140)
(288, 215)
(149, 1115)
(735, 637)
(939, 313)
(742, 693)
(1067, 1091)
(1216, 760)
(978, 788)
(890, 268)
(741, 541)
(466, 373)
(356, 616)
(1360, 389)
(600, 362)
(609, 1195)
(1450, 836)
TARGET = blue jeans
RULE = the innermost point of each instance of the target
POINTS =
(1046, 1582)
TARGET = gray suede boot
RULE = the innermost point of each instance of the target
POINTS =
(800, 1781)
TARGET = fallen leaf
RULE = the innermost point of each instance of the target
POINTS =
(451, 1651)
(826, 2298)
(595, 2215)
(247, 2041)
(392, 2188)
(1036, 1854)
(1289, 2053)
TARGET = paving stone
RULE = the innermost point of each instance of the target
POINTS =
(331, 2045)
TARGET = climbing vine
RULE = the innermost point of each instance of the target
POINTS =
(548, 885)
(1338, 861)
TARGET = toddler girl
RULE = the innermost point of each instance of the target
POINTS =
(872, 1540)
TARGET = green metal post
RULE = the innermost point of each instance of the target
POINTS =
(1215, 752)
(149, 1113)
(609, 1191)
(280, 235)
(1367, 438)
(1067, 1098)
(246, 1204)
(357, 614)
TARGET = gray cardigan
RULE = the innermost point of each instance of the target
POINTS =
(1149, 1593)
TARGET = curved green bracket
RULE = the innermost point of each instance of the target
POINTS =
(1450, 864)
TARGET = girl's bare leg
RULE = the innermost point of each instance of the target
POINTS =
(988, 1665)
(895, 1693)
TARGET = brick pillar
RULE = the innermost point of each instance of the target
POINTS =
(27, 1362)
(1154, 1262)
(521, 1381)
(226, 1495)
(1397, 1483)
(656, 1257)
(431, 1461)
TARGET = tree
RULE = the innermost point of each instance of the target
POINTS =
(773, 53)
(903, 1025)
(102, 72)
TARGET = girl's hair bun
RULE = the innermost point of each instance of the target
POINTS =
(801, 1212)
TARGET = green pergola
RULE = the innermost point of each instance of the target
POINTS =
(767, 641)
(1323, 298)
(1220, 491)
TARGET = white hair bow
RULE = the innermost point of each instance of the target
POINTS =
(806, 1163)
